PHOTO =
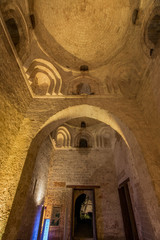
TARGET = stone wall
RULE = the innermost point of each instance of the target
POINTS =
(126, 169)
(85, 167)
(37, 192)
(133, 99)
(12, 110)
(40, 114)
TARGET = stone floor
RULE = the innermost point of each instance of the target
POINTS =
(84, 229)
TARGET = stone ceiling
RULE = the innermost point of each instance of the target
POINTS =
(82, 32)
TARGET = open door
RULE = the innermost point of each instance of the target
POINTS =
(127, 212)
(83, 225)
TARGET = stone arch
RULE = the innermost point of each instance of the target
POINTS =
(63, 137)
(63, 116)
(44, 78)
(84, 111)
(11, 11)
(86, 136)
(103, 138)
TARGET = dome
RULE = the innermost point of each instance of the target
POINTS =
(82, 32)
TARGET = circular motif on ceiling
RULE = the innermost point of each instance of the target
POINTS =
(78, 32)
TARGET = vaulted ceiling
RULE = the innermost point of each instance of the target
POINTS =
(82, 32)
(84, 47)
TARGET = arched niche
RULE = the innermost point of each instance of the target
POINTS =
(63, 137)
(83, 86)
(13, 31)
(151, 37)
(17, 27)
(44, 78)
(103, 138)
(84, 140)
(83, 143)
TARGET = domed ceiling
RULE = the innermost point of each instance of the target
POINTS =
(82, 32)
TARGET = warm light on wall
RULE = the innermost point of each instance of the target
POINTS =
(39, 193)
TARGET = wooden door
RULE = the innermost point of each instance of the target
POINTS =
(127, 213)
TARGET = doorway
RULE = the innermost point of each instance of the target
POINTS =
(127, 212)
(83, 223)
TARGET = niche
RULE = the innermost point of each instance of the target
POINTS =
(84, 68)
(83, 140)
(63, 137)
(32, 18)
(83, 89)
(13, 31)
(134, 16)
(154, 29)
(17, 28)
(83, 125)
(41, 84)
(83, 143)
